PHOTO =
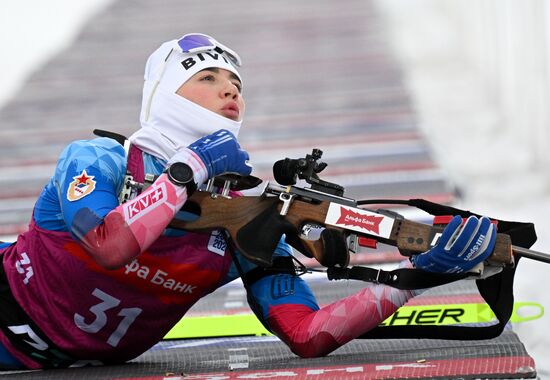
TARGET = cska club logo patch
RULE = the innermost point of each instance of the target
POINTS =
(82, 185)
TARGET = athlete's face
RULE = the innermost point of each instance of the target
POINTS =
(217, 90)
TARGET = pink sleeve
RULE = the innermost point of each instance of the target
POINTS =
(132, 227)
(312, 333)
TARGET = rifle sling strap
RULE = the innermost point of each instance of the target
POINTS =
(112, 135)
(404, 278)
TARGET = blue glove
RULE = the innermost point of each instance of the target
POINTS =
(221, 153)
(460, 248)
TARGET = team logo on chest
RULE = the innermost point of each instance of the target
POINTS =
(82, 185)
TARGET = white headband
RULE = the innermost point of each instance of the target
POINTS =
(172, 68)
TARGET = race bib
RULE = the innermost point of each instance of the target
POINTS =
(217, 243)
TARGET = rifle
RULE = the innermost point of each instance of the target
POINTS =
(255, 224)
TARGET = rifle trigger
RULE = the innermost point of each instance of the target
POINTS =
(287, 199)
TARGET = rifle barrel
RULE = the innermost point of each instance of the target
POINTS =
(531, 254)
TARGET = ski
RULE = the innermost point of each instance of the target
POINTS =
(443, 314)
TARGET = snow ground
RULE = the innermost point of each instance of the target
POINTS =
(452, 110)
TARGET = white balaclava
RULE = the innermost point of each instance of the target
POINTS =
(169, 122)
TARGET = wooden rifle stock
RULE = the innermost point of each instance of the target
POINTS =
(232, 214)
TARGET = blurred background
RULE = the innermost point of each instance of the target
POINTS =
(441, 99)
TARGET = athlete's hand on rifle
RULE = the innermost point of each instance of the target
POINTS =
(460, 247)
(220, 153)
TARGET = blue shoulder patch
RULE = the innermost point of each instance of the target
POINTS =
(89, 173)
